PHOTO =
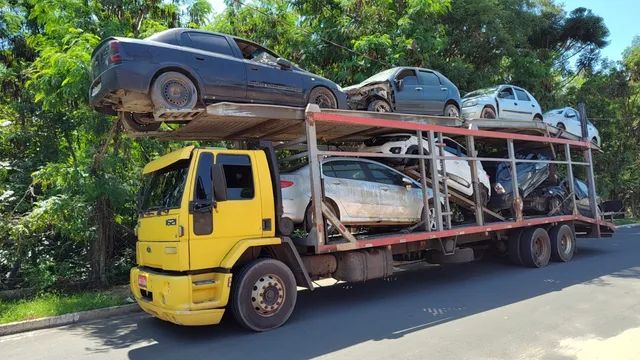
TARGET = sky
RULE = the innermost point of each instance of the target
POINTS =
(622, 17)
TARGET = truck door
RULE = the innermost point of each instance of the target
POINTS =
(239, 217)
(267, 82)
(222, 73)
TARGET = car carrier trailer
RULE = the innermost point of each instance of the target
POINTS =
(224, 243)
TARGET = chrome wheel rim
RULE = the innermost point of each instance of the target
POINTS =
(268, 295)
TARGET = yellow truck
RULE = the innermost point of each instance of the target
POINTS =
(212, 236)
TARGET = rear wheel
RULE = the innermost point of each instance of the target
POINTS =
(537, 118)
(263, 294)
(451, 110)
(488, 113)
(323, 97)
(535, 247)
(563, 243)
(139, 122)
(594, 141)
(379, 105)
(513, 247)
(309, 219)
(173, 90)
(561, 126)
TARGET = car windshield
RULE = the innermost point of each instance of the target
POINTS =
(555, 111)
(481, 92)
(380, 140)
(163, 189)
(381, 76)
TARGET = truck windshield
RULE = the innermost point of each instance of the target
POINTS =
(163, 189)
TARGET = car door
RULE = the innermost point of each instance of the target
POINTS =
(222, 74)
(507, 103)
(345, 182)
(434, 93)
(572, 122)
(268, 82)
(458, 170)
(525, 107)
(397, 203)
(409, 94)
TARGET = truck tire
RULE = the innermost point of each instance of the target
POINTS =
(379, 105)
(263, 294)
(563, 243)
(323, 97)
(173, 90)
(513, 247)
(535, 247)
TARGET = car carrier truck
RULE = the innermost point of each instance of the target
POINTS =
(212, 237)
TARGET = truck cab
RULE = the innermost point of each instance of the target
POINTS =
(200, 211)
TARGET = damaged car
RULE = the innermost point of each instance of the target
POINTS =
(407, 90)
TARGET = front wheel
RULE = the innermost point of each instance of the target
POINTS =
(323, 97)
(488, 113)
(537, 118)
(263, 294)
(379, 105)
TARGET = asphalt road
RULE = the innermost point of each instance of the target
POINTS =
(586, 309)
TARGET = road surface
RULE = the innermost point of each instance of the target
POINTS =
(586, 309)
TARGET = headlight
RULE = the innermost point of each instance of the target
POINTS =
(395, 150)
(469, 103)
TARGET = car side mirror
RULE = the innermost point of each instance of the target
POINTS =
(502, 95)
(219, 183)
(407, 182)
(283, 63)
(399, 84)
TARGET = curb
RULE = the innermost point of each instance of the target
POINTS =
(627, 226)
(66, 319)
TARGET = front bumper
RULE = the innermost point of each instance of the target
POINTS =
(472, 112)
(182, 299)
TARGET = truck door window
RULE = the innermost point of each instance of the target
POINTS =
(203, 196)
(208, 42)
(239, 176)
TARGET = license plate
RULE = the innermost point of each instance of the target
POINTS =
(95, 90)
(142, 281)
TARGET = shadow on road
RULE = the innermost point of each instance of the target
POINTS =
(337, 317)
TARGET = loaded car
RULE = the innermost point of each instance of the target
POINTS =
(186, 68)
(458, 169)
(406, 90)
(359, 191)
(530, 177)
(568, 119)
(503, 101)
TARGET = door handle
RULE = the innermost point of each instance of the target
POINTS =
(444, 89)
(336, 183)
(418, 89)
(199, 58)
(533, 105)
(254, 68)
(515, 103)
(384, 188)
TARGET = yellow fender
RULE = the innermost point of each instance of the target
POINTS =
(241, 246)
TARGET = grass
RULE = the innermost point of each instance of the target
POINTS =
(626, 221)
(57, 304)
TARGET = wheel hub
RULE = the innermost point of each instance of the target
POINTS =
(268, 295)
(176, 93)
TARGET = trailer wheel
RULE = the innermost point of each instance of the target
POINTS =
(563, 243)
(263, 294)
(513, 247)
(535, 247)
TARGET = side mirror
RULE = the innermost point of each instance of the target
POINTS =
(502, 95)
(399, 84)
(219, 183)
(407, 182)
(284, 63)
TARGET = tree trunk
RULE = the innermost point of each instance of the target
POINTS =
(102, 247)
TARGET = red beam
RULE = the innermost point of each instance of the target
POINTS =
(408, 125)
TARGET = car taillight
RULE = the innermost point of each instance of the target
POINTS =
(286, 184)
(114, 53)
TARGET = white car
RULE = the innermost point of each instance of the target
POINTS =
(568, 119)
(502, 101)
(360, 191)
(458, 170)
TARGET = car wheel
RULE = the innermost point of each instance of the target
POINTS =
(535, 247)
(594, 141)
(323, 97)
(451, 111)
(487, 113)
(432, 219)
(537, 118)
(263, 294)
(139, 122)
(563, 242)
(173, 90)
(379, 105)
(561, 126)
(309, 216)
